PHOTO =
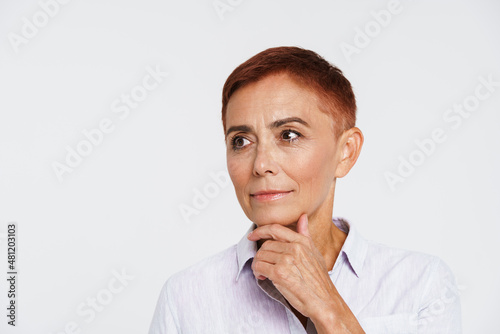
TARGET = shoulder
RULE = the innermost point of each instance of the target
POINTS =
(414, 289)
(426, 274)
(393, 258)
(413, 265)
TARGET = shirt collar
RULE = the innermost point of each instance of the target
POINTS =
(245, 250)
(354, 247)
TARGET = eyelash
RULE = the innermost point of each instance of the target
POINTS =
(235, 148)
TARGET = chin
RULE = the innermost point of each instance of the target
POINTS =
(283, 217)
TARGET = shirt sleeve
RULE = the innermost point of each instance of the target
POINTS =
(440, 310)
(163, 319)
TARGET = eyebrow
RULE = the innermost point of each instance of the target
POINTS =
(275, 124)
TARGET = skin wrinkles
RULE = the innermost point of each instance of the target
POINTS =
(275, 124)
(297, 242)
(306, 166)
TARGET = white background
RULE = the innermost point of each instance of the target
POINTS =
(119, 209)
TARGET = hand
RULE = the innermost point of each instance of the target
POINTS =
(298, 270)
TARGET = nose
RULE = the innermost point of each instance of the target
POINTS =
(264, 163)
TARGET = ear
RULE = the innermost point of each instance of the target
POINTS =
(349, 148)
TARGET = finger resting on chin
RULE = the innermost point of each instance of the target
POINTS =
(275, 232)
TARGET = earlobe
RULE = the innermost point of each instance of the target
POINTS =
(350, 142)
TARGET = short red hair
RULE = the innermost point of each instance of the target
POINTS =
(309, 70)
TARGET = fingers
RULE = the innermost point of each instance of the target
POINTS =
(282, 251)
(275, 266)
(294, 250)
(303, 225)
(281, 233)
(261, 268)
(274, 256)
(278, 258)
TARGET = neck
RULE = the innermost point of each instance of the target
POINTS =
(329, 240)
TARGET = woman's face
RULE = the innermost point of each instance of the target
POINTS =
(281, 152)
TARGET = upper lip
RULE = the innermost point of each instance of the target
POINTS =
(270, 191)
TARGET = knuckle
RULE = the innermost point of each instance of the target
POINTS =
(281, 273)
(288, 258)
(296, 248)
(256, 259)
(274, 228)
(256, 265)
(265, 245)
(259, 255)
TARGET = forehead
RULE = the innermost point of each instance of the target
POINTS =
(273, 97)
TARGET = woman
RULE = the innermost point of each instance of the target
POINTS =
(289, 122)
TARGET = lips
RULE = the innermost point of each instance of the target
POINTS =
(270, 195)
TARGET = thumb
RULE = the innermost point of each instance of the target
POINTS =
(303, 225)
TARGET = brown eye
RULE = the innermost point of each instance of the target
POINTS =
(238, 142)
(290, 135)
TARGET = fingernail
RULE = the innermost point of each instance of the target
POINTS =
(249, 234)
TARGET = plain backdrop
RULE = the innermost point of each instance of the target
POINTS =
(96, 244)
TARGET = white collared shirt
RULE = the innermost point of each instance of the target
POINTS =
(389, 290)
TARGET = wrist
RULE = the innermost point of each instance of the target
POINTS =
(327, 323)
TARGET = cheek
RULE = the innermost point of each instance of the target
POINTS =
(238, 171)
(314, 170)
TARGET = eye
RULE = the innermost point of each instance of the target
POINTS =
(238, 142)
(290, 135)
